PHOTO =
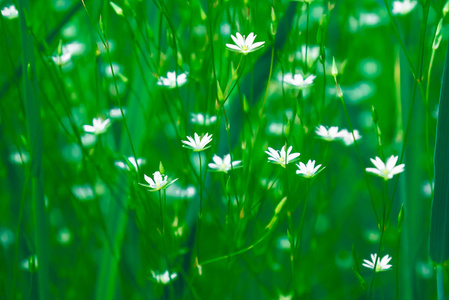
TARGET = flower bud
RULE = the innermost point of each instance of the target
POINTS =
(334, 68)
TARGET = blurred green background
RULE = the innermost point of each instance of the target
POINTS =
(74, 225)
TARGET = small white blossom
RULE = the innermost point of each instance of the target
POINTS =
(164, 278)
(403, 7)
(223, 165)
(347, 137)
(203, 120)
(10, 12)
(116, 113)
(281, 157)
(172, 81)
(298, 80)
(99, 126)
(326, 134)
(125, 166)
(198, 143)
(309, 170)
(388, 170)
(243, 45)
(62, 59)
(160, 182)
(382, 265)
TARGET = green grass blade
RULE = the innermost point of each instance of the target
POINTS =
(439, 232)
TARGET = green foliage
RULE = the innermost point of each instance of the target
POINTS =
(97, 96)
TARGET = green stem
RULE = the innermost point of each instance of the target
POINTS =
(440, 283)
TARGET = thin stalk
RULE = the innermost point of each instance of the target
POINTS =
(306, 66)
(382, 233)
(161, 212)
(440, 283)
(358, 152)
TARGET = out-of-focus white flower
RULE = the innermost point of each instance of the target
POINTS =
(10, 12)
(21, 157)
(62, 59)
(88, 139)
(99, 126)
(281, 157)
(6, 237)
(223, 165)
(382, 265)
(326, 134)
(298, 81)
(164, 278)
(125, 166)
(83, 192)
(64, 236)
(203, 120)
(388, 170)
(160, 182)
(347, 138)
(309, 170)
(74, 48)
(172, 81)
(115, 113)
(243, 45)
(403, 7)
(198, 143)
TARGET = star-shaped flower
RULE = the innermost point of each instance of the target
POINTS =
(309, 170)
(223, 165)
(172, 81)
(10, 12)
(160, 182)
(298, 80)
(388, 170)
(99, 126)
(326, 134)
(243, 45)
(281, 157)
(403, 7)
(382, 265)
(198, 143)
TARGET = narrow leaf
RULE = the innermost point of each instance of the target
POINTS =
(439, 231)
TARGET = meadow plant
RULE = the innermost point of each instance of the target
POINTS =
(99, 99)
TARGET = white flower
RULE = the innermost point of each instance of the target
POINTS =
(165, 277)
(172, 80)
(328, 134)
(223, 165)
(298, 81)
(199, 143)
(382, 265)
(62, 59)
(203, 120)
(388, 170)
(403, 7)
(243, 45)
(99, 126)
(347, 137)
(10, 12)
(309, 170)
(125, 166)
(160, 182)
(116, 113)
(281, 157)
